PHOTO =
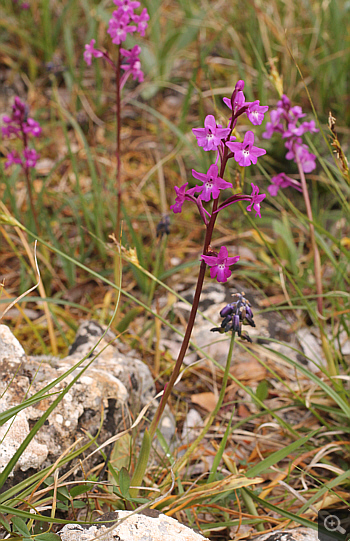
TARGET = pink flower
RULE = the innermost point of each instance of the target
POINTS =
(256, 112)
(282, 181)
(31, 157)
(119, 27)
(301, 151)
(90, 52)
(133, 64)
(212, 184)
(210, 136)
(245, 153)
(141, 21)
(238, 101)
(12, 158)
(33, 127)
(274, 126)
(220, 264)
(256, 200)
(181, 196)
(127, 6)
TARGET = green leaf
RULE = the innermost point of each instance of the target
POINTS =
(141, 463)
(262, 390)
(20, 526)
(124, 482)
(47, 536)
(80, 489)
(79, 504)
(278, 455)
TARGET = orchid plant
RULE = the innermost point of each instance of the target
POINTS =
(124, 21)
(221, 140)
(285, 120)
(20, 126)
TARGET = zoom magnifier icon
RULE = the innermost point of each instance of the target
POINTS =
(332, 524)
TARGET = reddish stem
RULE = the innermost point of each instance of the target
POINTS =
(28, 182)
(118, 174)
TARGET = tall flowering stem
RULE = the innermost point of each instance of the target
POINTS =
(118, 173)
(214, 137)
(19, 125)
(124, 21)
(285, 120)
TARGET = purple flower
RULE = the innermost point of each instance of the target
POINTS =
(245, 153)
(127, 6)
(210, 136)
(90, 52)
(212, 184)
(133, 64)
(219, 264)
(141, 21)
(274, 126)
(119, 27)
(10, 128)
(300, 151)
(181, 196)
(282, 181)
(256, 112)
(238, 101)
(256, 200)
(31, 157)
(12, 158)
(33, 127)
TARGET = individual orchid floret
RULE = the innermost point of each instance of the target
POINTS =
(181, 196)
(256, 200)
(211, 135)
(219, 264)
(212, 183)
(299, 151)
(282, 181)
(274, 126)
(30, 156)
(119, 27)
(256, 112)
(141, 21)
(127, 6)
(236, 103)
(33, 127)
(246, 153)
(90, 52)
(12, 159)
(133, 64)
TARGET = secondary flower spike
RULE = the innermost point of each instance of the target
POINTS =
(210, 136)
(245, 153)
(212, 183)
(219, 264)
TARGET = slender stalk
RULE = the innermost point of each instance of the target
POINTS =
(183, 460)
(197, 294)
(317, 259)
(28, 182)
(317, 269)
(118, 173)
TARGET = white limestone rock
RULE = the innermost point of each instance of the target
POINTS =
(147, 526)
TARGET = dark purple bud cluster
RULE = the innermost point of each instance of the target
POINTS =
(235, 315)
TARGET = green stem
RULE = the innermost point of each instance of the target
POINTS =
(183, 460)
